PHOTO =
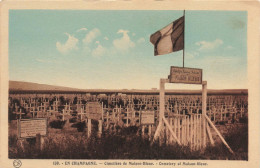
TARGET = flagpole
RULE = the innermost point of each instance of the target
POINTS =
(183, 38)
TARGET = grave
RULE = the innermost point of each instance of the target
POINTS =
(32, 128)
(94, 111)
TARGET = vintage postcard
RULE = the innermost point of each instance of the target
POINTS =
(129, 84)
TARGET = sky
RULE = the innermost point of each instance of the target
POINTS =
(98, 49)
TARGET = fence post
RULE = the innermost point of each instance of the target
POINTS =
(204, 109)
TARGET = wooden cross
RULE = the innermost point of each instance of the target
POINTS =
(63, 114)
(54, 107)
(33, 112)
(66, 107)
(41, 107)
(171, 107)
(242, 110)
(49, 111)
(81, 114)
(69, 109)
(23, 103)
(38, 111)
(20, 113)
(56, 102)
(79, 99)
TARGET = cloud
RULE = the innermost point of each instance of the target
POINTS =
(82, 29)
(91, 44)
(124, 43)
(69, 45)
(191, 55)
(99, 51)
(207, 45)
(90, 36)
(141, 40)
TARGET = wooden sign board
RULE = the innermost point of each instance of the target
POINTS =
(147, 117)
(185, 75)
(28, 128)
(94, 110)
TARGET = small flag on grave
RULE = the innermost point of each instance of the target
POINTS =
(170, 38)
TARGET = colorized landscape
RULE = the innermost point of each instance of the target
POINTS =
(123, 136)
(128, 84)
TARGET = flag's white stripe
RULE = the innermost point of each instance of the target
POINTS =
(166, 30)
(165, 45)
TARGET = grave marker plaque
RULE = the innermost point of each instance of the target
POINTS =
(94, 110)
(147, 117)
(28, 128)
(185, 75)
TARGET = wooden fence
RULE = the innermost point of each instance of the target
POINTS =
(188, 129)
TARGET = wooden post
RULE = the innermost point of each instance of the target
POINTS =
(210, 135)
(89, 128)
(188, 129)
(102, 112)
(200, 131)
(157, 132)
(139, 115)
(39, 142)
(219, 134)
(204, 108)
(119, 113)
(162, 93)
(170, 129)
(161, 106)
(143, 128)
(107, 119)
(150, 131)
(99, 128)
(214, 113)
(62, 115)
(127, 117)
(182, 129)
(221, 115)
(170, 137)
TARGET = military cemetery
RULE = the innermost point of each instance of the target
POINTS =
(54, 122)
(46, 114)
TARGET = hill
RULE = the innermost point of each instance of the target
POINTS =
(18, 85)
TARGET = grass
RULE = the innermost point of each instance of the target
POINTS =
(124, 143)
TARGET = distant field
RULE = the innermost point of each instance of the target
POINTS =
(28, 87)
